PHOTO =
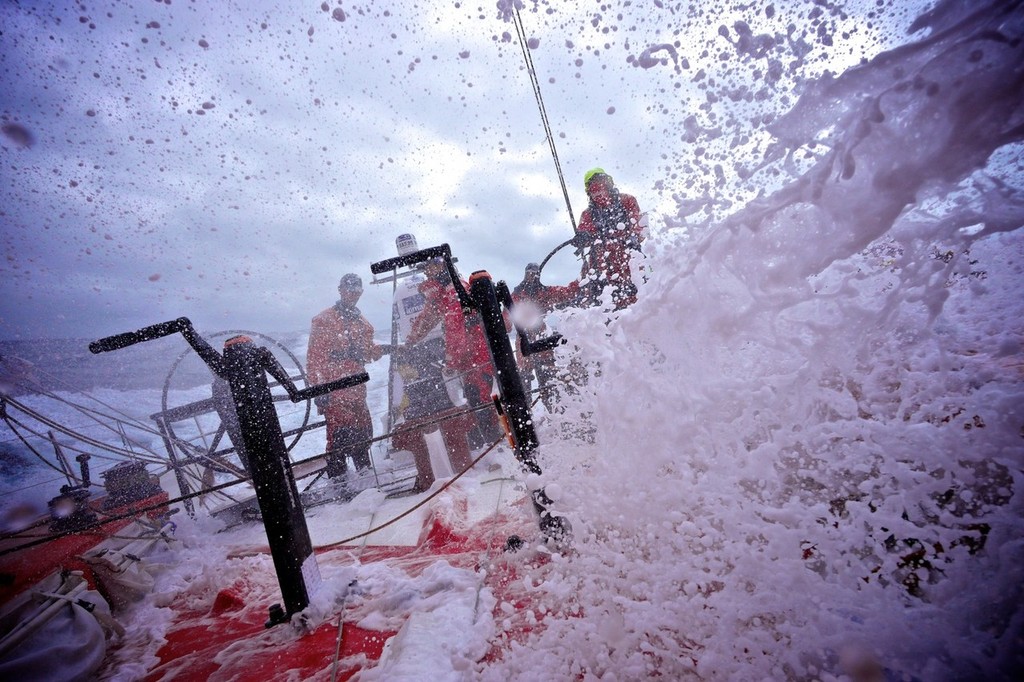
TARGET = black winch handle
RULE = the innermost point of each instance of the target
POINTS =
(443, 251)
(528, 347)
(540, 345)
(322, 389)
(149, 333)
(296, 395)
(205, 351)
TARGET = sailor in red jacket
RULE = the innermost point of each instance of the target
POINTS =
(340, 344)
(608, 232)
(466, 348)
(533, 300)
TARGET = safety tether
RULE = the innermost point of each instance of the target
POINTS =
(521, 32)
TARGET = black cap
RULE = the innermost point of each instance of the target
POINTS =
(351, 281)
(532, 266)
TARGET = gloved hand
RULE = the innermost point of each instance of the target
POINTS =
(399, 354)
(589, 294)
(582, 239)
(321, 403)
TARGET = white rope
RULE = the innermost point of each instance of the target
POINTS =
(521, 32)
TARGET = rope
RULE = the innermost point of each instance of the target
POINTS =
(95, 414)
(521, 32)
(36, 387)
(401, 429)
(228, 484)
(117, 517)
(11, 423)
(46, 421)
(422, 502)
(98, 445)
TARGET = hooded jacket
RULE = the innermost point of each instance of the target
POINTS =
(340, 344)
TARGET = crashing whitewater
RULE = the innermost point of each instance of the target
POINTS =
(807, 435)
(808, 447)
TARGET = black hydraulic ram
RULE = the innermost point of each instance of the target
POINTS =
(245, 367)
(486, 298)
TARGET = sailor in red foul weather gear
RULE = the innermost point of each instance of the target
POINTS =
(341, 344)
(466, 348)
(609, 232)
(533, 300)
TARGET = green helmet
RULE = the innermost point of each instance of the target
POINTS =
(589, 175)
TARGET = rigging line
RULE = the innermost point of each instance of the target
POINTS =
(211, 464)
(48, 481)
(400, 429)
(101, 446)
(419, 504)
(94, 414)
(106, 536)
(64, 464)
(521, 31)
(534, 83)
(31, 412)
(11, 422)
(118, 517)
(108, 458)
(202, 482)
(46, 421)
(128, 418)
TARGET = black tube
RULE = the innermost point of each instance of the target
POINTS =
(513, 399)
(83, 460)
(126, 339)
(554, 251)
(510, 385)
(272, 478)
(540, 345)
(442, 251)
(337, 384)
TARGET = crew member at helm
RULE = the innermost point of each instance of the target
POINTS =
(609, 231)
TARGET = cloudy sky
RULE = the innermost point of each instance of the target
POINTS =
(229, 161)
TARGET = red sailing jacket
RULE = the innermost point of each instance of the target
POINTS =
(614, 232)
(464, 342)
(340, 345)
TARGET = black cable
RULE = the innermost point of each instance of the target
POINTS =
(419, 504)
(521, 32)
(118, 517)
(46, 421)
(553, 252)
(11, 422)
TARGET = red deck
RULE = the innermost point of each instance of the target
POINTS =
(229, 640)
